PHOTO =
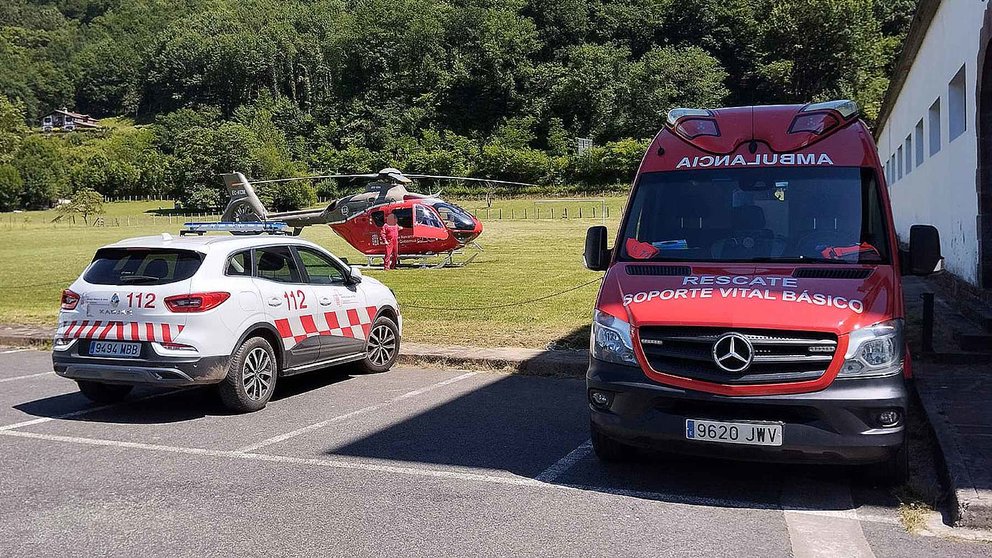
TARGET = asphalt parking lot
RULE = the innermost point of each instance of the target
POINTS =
(413, 462)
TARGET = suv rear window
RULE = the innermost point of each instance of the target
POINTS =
(142, 266)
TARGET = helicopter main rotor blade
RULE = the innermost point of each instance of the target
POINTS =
(465, 178)
(316, 177)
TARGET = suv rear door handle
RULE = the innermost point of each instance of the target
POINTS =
(275, 301)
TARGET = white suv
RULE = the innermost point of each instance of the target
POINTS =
(235, 311)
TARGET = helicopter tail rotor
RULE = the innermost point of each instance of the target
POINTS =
(244, 205)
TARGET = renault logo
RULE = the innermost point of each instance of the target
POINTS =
(733, 352)
(115, 300)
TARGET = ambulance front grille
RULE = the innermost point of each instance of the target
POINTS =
(778, 356)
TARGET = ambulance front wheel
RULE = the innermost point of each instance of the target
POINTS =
(383, 346)
(251, 376)
(607, 449)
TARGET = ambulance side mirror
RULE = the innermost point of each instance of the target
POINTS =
(596, 256)
(924, 251)
(354, 275)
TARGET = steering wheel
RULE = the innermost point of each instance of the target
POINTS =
(777, 244)
(809, 244)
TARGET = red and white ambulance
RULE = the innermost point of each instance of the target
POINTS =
(752, 305)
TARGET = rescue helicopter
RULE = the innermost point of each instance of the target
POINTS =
(429, 225)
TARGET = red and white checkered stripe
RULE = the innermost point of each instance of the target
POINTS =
(353, 322)
(118, 331)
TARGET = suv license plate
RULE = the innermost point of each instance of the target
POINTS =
(748, 433)
(108, 348)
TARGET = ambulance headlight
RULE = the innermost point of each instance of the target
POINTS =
(875, 351)
(610, 340)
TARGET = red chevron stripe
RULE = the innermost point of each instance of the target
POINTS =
(106, 330)
(308, 324)
(282, 326)
(92, 330)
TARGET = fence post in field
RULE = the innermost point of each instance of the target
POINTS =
(552, 213)
(580, 212)
(564, 213)
(525, 213)
(511, 213)
(501, 214)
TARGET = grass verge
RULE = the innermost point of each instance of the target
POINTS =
(480, 304)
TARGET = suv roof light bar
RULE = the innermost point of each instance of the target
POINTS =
(845, 107)
(270, 227)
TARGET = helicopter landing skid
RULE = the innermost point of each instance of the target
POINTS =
(427, 261)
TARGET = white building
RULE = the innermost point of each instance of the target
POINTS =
(934, 133)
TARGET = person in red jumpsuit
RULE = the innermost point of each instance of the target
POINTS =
(390, 234)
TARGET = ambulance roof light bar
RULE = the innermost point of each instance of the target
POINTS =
(677, 113)
(270, 227)
(845, 107)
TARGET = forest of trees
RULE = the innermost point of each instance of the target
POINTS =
(497, 88)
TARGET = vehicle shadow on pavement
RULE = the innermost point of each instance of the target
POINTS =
(529, 426)
(162, 406)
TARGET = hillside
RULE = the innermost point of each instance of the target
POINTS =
(487, 88)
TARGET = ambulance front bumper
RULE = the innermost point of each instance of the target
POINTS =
(839, 424)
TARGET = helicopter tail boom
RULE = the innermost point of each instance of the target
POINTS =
(244, 204)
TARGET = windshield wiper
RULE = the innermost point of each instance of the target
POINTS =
(800, 260)
(138, 278)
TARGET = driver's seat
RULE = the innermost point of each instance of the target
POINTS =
(750, 236)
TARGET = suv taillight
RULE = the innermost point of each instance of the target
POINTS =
(195, 302)
(69, 300)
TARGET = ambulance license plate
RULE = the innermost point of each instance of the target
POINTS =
(748, 433)
(114, 349)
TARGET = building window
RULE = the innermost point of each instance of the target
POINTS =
(957, 106)
(892, 163)
(899, 162)
(909, 154)
(888, 171)
(918, 138)
(933, 117)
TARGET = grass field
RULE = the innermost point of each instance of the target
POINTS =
(523, 259)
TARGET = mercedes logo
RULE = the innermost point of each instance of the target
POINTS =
(733, 352)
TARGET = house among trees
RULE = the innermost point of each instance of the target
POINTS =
(66, 120)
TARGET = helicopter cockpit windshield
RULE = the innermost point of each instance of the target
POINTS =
(454, 217)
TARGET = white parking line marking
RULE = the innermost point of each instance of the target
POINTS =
(826, 533)
(552, 473)
(11, 351)
(88, 410)
(333, 463)
(369, 409)
(2, 380)
(661, 497)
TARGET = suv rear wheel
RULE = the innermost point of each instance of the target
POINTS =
(103, 393)
(383, 346)
(251, 376)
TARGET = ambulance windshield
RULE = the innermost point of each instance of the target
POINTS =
(770, 214)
